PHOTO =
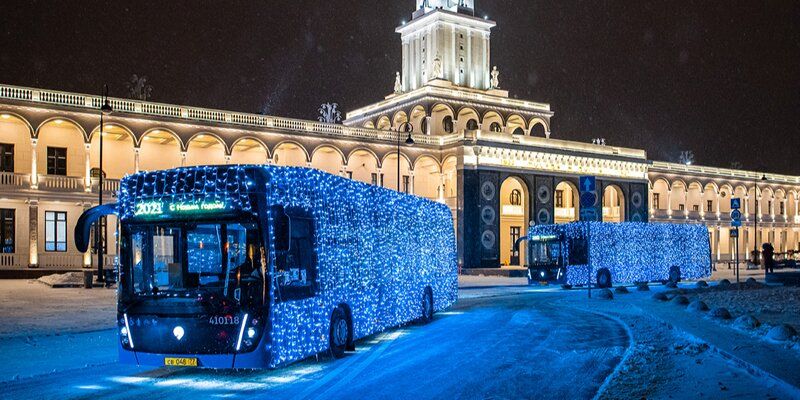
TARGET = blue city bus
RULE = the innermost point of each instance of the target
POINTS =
(261, 266)
(604, 253)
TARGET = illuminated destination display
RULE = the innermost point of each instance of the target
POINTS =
(156, 208)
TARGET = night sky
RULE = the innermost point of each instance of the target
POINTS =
(719, 78)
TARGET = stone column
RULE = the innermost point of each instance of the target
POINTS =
(669, 203)
(33, 233)
(719, 215)
(136, 159)
(428, 125)
(227, 159)
(34, 170)
(183, 158)
(87, 182)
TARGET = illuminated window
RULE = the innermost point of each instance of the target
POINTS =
(57, 161)
(472, 125)
(296, 257)
(374, 179)
(406, 184)
(681, 207)
(696, 208)
(7, 231)
(559, 199)
(709, 206)
(495, 127)
(6, 157)
(55, 231)
(515, 199)
(783, 208)
(657, 201)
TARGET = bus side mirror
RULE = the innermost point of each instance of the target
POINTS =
(516, 244)
(282, 229)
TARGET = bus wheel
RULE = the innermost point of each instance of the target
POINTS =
(427, 306)
(603, 278)
(675, 274)
(339, 333)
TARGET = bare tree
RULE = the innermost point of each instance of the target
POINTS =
(138, 88)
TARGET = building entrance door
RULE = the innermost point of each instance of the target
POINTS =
(514, 232)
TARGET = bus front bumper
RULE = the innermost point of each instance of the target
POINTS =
(257, 359)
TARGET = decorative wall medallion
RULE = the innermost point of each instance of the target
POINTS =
(636, 217)
(543, 194)
(488, 190)
(488, 215)
(488, 239)
(636, 199)
(543, 217)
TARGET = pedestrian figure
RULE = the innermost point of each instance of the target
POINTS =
(769, 260)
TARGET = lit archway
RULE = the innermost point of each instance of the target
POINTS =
(427, 178)
(205, 149)
(249, 151)
(17, 141)
(119, 155)
(514, 219)
(61, 148)
(362, 166)
(328, 159)
(290, 154)
(566, 203)
(159, 149)
(389, 168)
(613, 204)
(450, 189)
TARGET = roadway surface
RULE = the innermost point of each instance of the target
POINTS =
(503, 347)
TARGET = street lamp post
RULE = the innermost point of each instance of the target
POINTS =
(757, 213)
(405, 127)
(105, 109)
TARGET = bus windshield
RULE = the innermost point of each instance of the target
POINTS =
(545, 252)
(195, 258)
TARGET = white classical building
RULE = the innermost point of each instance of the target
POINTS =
(490, 157)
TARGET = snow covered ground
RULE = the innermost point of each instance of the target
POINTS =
(28, 307)
(503, 339)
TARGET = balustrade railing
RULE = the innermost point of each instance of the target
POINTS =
(60, 183)
(11, 260)
(60, 260)
(14, 180)
(210, 115)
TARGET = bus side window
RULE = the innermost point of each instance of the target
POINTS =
(578, 252)
(296, 265)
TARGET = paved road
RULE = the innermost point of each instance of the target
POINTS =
(518, 346)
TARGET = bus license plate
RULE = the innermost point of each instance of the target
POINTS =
(180, 362)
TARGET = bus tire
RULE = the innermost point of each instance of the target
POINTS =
(675, 274)
(427, 306)
(339, 333)
(603, 278)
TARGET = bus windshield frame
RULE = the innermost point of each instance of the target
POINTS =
(219, 257)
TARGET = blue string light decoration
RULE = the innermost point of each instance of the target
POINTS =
(377, 249)
(634, 251)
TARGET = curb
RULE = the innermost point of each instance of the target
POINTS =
(750, 368)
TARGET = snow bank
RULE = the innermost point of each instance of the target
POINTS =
(69, 279)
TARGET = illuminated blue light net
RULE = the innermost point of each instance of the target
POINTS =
(635, 251)
(377, 249)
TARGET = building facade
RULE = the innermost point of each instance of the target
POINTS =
(490, 158)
